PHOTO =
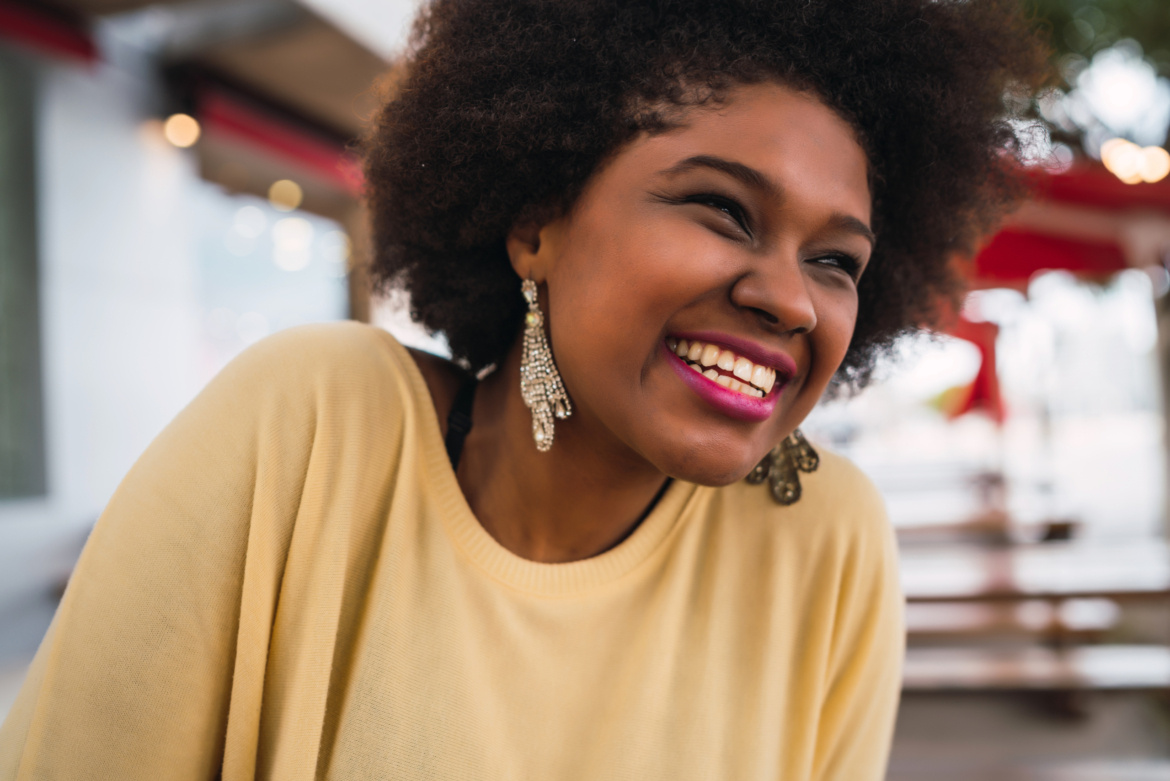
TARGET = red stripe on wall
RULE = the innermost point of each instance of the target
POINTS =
(45, 31)
(222, 114)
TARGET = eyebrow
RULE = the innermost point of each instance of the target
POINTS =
(752, 178)
(849, 224)
(745, 174)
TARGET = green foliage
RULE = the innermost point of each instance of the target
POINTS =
(1085, 27)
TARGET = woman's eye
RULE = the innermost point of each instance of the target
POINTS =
(725, 205)
(847, 263)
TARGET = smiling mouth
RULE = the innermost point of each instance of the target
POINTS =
(724, 367)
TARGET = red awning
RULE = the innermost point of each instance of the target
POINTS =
(49, 30)
(221, 113)
(1086, 221)
(983, 392)
(1013, 256)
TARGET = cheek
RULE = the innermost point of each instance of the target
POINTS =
(615, 288)
(603, 294)
(830, 339)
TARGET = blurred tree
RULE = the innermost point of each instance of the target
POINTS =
(1085, 27)
(1079, 30)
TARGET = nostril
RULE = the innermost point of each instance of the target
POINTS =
(765, 315)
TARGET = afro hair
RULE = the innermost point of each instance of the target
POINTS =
(505, 108)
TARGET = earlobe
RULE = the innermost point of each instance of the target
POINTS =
(523, 244)
(533, 249)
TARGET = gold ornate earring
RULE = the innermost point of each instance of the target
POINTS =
(540, 382)
(783, 465)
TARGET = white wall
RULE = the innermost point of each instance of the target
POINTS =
(118, 312)
(138, 272)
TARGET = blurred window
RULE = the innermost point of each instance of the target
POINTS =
(22, 439)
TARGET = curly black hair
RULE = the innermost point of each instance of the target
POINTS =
(506, 107)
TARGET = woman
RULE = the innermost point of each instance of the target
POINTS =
(668, 226)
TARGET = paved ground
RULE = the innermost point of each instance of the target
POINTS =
(984, 737)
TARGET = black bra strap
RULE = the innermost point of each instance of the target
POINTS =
(459, 420)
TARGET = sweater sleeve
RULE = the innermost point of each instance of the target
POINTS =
(134, 679)
(865, 672)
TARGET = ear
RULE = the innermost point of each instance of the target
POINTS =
(534, 249)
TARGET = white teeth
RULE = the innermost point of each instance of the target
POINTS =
(743, 369)
(749, 379)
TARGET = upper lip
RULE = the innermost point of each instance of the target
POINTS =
(756, 353)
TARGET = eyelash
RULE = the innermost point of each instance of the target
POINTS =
(723, 204)
(847, 263)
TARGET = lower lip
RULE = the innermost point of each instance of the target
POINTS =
(731, 403)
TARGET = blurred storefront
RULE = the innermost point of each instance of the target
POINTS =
(1023, 458)
(176, 182)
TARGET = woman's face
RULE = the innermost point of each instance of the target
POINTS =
(741, 233)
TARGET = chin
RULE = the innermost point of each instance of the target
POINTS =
(708, 465)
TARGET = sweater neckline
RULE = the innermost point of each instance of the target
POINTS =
(538, 578)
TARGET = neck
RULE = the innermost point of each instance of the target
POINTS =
(579, 499)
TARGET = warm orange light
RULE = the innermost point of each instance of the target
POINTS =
(285, 195)
(1155, 163)
(1132, 164)
(182, 130)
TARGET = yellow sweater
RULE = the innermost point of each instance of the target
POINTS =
(290, 585)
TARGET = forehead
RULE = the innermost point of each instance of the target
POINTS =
(790, 137)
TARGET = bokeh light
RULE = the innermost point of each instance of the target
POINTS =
(1155, 163)
(249, 221)
(182, 130)
(285, 195)
(1121, 91)
(292, 239)
(1132, 164)
(335, 249)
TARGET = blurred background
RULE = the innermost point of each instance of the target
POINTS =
(177, 180)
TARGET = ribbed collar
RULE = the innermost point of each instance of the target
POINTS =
(553, 580)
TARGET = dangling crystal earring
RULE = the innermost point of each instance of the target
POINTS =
(540, 382)
(783, 465)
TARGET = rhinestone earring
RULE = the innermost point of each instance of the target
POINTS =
(540, 382)
(783, 465)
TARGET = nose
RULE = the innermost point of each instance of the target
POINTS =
(777, 293)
